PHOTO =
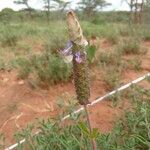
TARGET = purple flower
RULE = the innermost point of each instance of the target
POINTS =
(78, 57)
(68, 49)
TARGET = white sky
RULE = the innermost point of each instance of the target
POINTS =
(37, 4)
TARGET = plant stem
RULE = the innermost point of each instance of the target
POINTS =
(93, 142)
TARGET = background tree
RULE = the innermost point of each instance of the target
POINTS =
(61, 5)
(90, 6)
(7, 14)
(136, 10)
(26, 3)
(131, 5)
(47, 6)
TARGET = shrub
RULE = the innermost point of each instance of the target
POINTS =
(55, 43)
(2, 141)
(146, 35)
(9, 37)
(51, 69)
(112, 37)
(111, 34)
(135, 64)
(24, 66)
(112, 78)
(110, 58)
(130, 46)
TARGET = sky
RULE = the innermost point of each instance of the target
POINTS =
(38, 4)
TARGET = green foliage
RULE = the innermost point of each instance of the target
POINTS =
(89, 6)
(6, 14)
(146, 35)
(54, 136)
(135, 64)
(51, 69)
(112, 35)
(110, 58)
(132, 131)
(8, 36)
(47, 68)
(24, 66)
(55, 43)
(2, 141)
(91, 51)
(148, 79)
(130, 46)
(112, 77)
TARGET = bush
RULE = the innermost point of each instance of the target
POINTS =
(135, 64)
(9, 37)
(130, 46)
(112, 77)
(25, 67)
(110, 58)
(51, 69)
(146, 35)
(55, 43)
(112, 37)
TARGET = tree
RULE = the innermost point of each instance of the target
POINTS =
(90, 6)
(26, 3)
(6, 15)
(61, 5)
(47, 6)
(136, 10)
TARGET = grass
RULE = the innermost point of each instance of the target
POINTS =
(112, 77)
(49, 69)
(110, 58)
(130, 46)
(135, 64)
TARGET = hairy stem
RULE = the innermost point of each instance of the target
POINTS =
(93, 142)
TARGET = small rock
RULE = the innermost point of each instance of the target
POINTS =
(21, 82)
(5, 80)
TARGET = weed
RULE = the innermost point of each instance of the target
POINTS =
(148, 78)
(2, 141)
(116, 98)
(130, 46)
(55, 43)
(51, 69)
(112, 36)
(135, 64)
(8, 37)
(131, 132)
(24, 66)
(112, 78)
(111, 58)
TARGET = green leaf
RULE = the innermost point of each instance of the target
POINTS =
(91, 50)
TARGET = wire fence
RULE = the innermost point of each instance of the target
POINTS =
(97, 100)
